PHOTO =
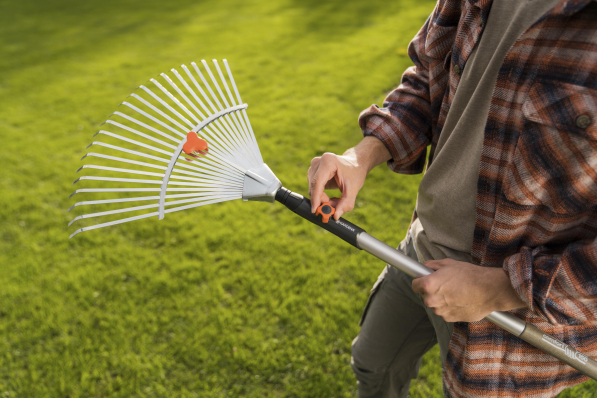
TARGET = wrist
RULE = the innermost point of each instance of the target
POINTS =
(369, 153)
(505, 298)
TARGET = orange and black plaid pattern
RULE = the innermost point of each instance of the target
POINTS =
(536, 213)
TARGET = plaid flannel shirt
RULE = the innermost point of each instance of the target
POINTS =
(537, 189)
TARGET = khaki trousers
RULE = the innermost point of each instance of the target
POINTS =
(396, 330)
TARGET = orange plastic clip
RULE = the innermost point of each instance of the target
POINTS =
(325, 211)
(194, 144)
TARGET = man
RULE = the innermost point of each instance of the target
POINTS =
(505, 94)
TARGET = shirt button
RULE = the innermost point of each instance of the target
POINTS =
(583, 121)
(457, 70)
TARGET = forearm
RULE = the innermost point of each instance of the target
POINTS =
(370, 152)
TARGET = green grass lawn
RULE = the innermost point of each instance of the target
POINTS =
(238, 299)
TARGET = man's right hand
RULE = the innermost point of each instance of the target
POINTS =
(346, 173)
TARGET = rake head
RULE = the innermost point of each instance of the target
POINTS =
(176, 145)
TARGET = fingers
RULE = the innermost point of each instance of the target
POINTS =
(322, 170)
(346, 202)
(425, 285)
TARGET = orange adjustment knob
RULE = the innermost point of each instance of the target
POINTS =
(194, 144)
(325, 211)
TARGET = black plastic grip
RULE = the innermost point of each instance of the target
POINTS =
(302, 206)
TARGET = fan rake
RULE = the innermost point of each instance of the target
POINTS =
(191, 146)
(179, 145)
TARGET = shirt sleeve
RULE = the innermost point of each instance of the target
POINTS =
(404, 122)
(561, 288)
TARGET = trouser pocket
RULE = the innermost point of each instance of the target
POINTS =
(372, 294)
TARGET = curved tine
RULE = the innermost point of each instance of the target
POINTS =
(205, 96)
(151, 206)
(186, 166)
(189, 89)
(208, 179)
(148, 127)
(226, 158)
(138, 199)
(182, 94)
(201, 165)
(243, 112)
(213, 79)
(212, 178)
(173, 98)
(133, 142)
(107, 224)
(160, 175)
(231, 97)
(229, 145)
(161, 101)
(140, 134)
(204, 173)
(215, 97)
(86, 190)
(139, 181)
(117, 148)
(241, 127)
(223, 143)
(150, 117)
(108, 201)
(124, 160)
(216, 125)
(117, 169)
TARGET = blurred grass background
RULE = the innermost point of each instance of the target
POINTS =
(238, 299)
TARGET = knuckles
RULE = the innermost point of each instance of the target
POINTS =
(328, 157)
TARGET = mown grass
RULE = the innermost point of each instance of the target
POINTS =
(239, 299)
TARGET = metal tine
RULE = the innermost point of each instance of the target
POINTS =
(234, 159)
(140, 134)
(112, 190)
(140, 181)
(214, 152)
(175, 100)
(231, 155)
(204, 173)
(161, 175)
(243, 111)
(137, 199)
(231, 172)
(214, 97)
(148, 127)
(227, 126)
(165, 104)
(228, 159)
(215, 82)
(156, 213)
(131, 141)
(244, 116)
(124, 160)
(241, 126)
(207, 98)
(214, 126)
(145, 207)
(151, 106)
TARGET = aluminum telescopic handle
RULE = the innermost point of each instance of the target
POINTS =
(505, 320)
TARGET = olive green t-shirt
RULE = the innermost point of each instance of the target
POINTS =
(446, 202)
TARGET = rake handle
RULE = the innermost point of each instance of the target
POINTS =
(357, 237)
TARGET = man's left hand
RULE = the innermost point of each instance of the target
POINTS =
(464, 292)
